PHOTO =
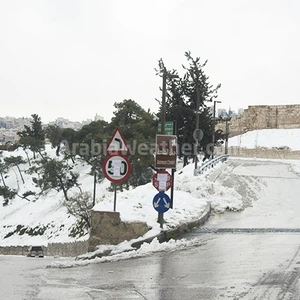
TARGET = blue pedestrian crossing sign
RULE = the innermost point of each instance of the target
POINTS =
(161, 202)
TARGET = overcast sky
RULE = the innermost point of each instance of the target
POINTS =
(73, 59)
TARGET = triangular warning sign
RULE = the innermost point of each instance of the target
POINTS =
(117, 143)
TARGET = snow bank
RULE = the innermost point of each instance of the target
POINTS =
(268, 138)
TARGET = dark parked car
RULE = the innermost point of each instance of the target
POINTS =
(35, 251)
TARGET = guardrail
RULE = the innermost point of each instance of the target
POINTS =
(211, 163)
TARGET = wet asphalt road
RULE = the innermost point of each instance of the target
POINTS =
(226, 266)
(254, 254)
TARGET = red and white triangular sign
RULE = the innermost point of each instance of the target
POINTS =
(117, 143)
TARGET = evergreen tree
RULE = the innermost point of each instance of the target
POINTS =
(54, 174)
(181, 102)
(33, 137)
(15, 161)
(54, 134)
(138, 128)
(92, 138)
(7, 194)
(3, 170)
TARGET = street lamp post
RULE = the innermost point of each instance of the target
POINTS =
(214, 120)
(197, 130)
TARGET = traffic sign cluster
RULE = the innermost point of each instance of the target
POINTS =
(116, 167)
(165, 157)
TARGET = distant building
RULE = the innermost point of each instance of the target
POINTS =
(98, 118)
(65, 123)
(9, 126)
(87, 121)
(222, 112)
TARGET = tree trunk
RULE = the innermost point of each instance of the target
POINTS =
(3, 180)
(63, 188)
(20, 174)
(58, 149)
(27, 158)
(185, 160)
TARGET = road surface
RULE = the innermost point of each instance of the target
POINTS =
(253, 254)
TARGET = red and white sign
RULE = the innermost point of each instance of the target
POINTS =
(117, 144)
(162, 181)
(116, 168)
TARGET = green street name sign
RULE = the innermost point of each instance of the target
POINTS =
(169, 127)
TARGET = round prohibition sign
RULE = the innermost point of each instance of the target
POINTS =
(116, 168)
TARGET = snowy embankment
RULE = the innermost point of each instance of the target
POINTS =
(48, 219)
(268, 138)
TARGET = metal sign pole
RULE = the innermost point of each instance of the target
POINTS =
(173, 170)
(160, 219)
(115, 197)
(172, 188)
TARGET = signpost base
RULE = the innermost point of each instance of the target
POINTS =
(160, 219)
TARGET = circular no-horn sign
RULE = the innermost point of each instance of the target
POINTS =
(116, 168)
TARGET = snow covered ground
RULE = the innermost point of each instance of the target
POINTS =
(190, 198)
(268, 138)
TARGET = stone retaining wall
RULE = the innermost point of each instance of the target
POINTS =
(263, 117)
(72, 249)
(14, 250)
(108, 229)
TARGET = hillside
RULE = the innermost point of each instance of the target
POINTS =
(41, 220)
(45, 219)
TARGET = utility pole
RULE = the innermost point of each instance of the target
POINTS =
(214, 125)
(227, 133)
(160, 219)
(163, 103)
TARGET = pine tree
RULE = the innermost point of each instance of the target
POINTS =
(15, 161)
(181, 102)
(54, 174)
(138, 128)
(33, 137)
(54, 134)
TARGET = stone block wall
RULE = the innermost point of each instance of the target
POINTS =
(108, 229)
(264, 117)
(71, 249)
(14, 250)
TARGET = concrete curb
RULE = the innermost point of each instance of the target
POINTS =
(166, 235)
